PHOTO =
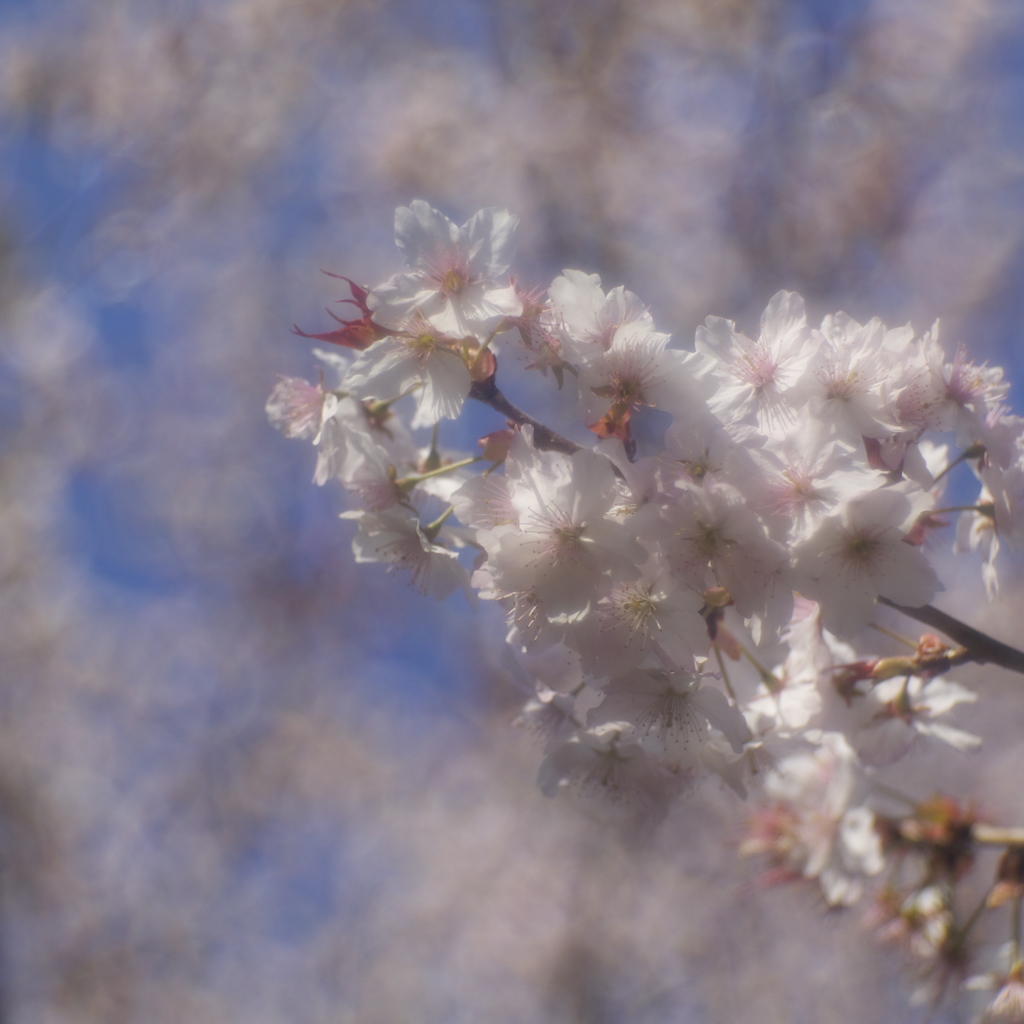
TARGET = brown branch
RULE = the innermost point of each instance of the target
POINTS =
(980, 647)
(997, 835)
(486, 391)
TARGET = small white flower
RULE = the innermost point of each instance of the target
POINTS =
(671, 714)
(298, 408)
(586, 318)
(604, 766)
(858, 553)
(638, 614)
(848, 380)
(394, 536)
(567, 548)
(898, 714)
(751, 379)
(713, 528)
(419, 359)
(459, 280)
(815, 828)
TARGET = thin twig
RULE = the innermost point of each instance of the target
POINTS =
(980, 647)
(543, 437)
(996, 835)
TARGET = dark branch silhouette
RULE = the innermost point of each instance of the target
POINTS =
(980, 647)
(543, 437)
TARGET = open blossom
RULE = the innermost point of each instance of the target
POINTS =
(551, 716)
(566, 548)
(858, 554)
(605, 766)
(459, 275)
(586, 319)
(395, 537)
(802, 475)
(711, 537)
(946, 395)
(671, 714)
(749, 380)
(368, 470)
(636, 370)
(419, 360)
(636, 617)
(898, 714)
(848, 380)
(298, 408)
(699, 448)
(816, 827)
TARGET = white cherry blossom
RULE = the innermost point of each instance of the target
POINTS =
(420, 360)
(848, 382)
(899, 714)
(753, 377)
(298, 408)
(858, 553)
(817, 826)
(567, 549)
(605, 766)
(396, 538)
(586, 318)
(950, 395)
(459, 280)
(711, 537)
(638, 614)
(671, 714)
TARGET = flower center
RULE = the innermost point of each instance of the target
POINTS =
(708, 539)
(638, 609)
(757, 367)
(861, 548)
(453, 281)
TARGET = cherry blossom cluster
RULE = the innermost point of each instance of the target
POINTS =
(688, 588)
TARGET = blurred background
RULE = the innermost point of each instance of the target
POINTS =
(243, 778)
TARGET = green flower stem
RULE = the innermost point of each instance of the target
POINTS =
(1015, 932)
(770, 679)
(962, 933)
(996, 835)
(431, 530)
(894, 636)
(974, 452)
(502, 328)
(725, 677)
(433, 460)
(408, 482)
(986, 510)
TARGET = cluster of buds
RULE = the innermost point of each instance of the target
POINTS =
(930, 852)
(749, 499)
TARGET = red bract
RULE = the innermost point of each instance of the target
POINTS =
(615, 423)
(358, 334)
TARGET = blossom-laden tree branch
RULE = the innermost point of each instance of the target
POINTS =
(799, 475)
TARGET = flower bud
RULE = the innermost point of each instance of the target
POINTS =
(1009, 877)
(495, 445)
